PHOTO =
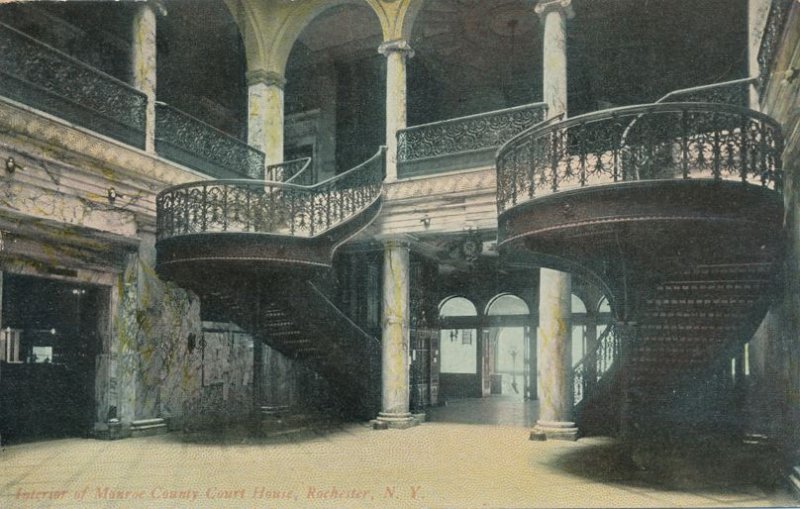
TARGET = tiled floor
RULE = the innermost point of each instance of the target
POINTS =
(443, 463)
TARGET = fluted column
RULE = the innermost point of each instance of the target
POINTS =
(395, 340)
(265, 114)
(143, 63)
(396, 53)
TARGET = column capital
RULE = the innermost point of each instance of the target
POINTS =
(543, 7)
(268, 78)
(397, 45)
(395, 240)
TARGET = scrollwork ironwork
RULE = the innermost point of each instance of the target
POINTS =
(465, 134)
(295, 171)
(776, 21)
(596, 364)
(656, 141)
(45, 78)
(187, 140)
(255, 206)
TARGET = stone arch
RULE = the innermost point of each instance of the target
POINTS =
(271, 29)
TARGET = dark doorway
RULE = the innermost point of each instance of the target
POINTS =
(50, 342)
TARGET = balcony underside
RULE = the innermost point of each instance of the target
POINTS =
(648, 226)
(189, 259)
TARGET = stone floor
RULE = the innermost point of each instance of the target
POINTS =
(473, 454)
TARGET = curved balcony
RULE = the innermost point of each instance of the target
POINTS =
(648, 185)
(207, 225)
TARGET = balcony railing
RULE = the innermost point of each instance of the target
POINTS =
(189, 141)
(666, 141)
(251, 206)
(295, 171)
(735, 92)
(461, 143)
(776, 22)
(588, 372)
(40, 76)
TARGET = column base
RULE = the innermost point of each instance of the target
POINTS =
(397, 421)
(554, 430)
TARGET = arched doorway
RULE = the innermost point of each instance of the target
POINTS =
(508, 352)
(459, 373)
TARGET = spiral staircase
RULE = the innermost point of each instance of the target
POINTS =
(676, 209)
(256, 252)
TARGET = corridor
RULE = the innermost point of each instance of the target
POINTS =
(474, 453)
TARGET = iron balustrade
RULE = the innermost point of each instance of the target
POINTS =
(596, 364)
(736, 92)
(464, 142)
(47, 79)
(667, 141)
(278, 208)
(186, 140)
(773, 30)
(295, 171)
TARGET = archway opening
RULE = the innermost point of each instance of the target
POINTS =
(472, 57)
(336, 91)
(459, 350)
(509, 348)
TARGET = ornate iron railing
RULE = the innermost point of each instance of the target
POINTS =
(254, 206)
(464, 142)
(668, 141)
(295, 171)
(596, 364)
(189, 141)
(43, 77)
(735, 92)
(773, 30)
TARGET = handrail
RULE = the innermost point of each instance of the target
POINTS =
(672, 140)
(186, 139)
(72, 60)
(601, 360)
(264, 207)
(705, 88)
(697, 90)
(49, 79)
(290, 168)
(465, 134)
(342, 316)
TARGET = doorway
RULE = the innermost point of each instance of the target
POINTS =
(50, 342)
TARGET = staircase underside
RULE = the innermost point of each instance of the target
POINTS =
(634, 234)
(263, 283)
(691, 266)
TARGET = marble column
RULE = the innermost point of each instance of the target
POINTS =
(143, 63)
(396, 53)
(265, 114)
(395, 340)
(554, 15)
(554, 355)
(554, 335)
